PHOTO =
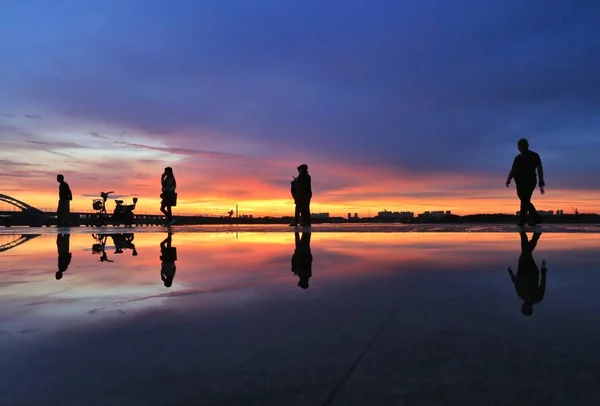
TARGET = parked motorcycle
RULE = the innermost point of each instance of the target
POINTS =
(122, 214)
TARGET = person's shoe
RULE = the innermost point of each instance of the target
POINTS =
(170, 223)
(293, 225)
(535, 223)
(521, 224)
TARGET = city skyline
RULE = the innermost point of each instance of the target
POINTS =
(405, 107)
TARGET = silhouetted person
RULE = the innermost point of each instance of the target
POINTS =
(527, 281)
(302, 259)
(302, 193)
(168, 257)
(523, 171)
(63, 212)
(63, 246)
(168, 195)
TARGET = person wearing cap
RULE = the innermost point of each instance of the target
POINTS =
(302, 193)
(524, 173)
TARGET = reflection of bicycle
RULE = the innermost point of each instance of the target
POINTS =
(100, 247)
(122, 242)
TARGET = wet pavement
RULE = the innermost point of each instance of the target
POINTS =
(277, 318)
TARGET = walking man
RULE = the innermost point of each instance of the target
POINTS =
(524, 172)
(63, 212)
(302, 193)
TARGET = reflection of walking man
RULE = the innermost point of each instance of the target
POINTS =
(64, 202)
(302, 193)
(168, 257)
(302, 259)
(63, 246)
(523, 171)
(527, 281)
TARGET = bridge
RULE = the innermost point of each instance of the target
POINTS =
(17, 241)
(19, 204)
(29, 215)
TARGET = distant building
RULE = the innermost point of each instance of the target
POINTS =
(246, 216)
(396, 215)
(349, 216)
(320, 215)
(435, 214)
(355, 215)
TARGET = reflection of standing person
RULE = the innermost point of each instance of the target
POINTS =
(523, 171)
(168, 195)
(302, 259)
(527, 281)
(302, 193)
(63, 246)
(168, 257)
(63, 212)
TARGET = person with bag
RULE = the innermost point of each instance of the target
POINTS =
(168, 195)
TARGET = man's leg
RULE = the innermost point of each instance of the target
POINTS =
(534, 214)
(296, 214)
(59, 215)
(525, 198)
(306, 217)
(63, 214)
(67, 215)
(305, 213)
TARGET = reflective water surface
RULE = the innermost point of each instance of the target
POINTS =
(299, 319)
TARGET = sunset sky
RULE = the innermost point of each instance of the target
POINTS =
(393, 104)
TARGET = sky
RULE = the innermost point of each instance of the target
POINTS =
(396, 105)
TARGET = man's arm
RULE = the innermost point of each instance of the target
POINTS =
(69, 193)
(540, 171)
(511, 174)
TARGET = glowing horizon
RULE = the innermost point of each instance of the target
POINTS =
(402, 114)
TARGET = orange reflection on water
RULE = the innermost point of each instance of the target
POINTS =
(224, 268)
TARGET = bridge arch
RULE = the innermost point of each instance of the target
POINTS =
(19, 204)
